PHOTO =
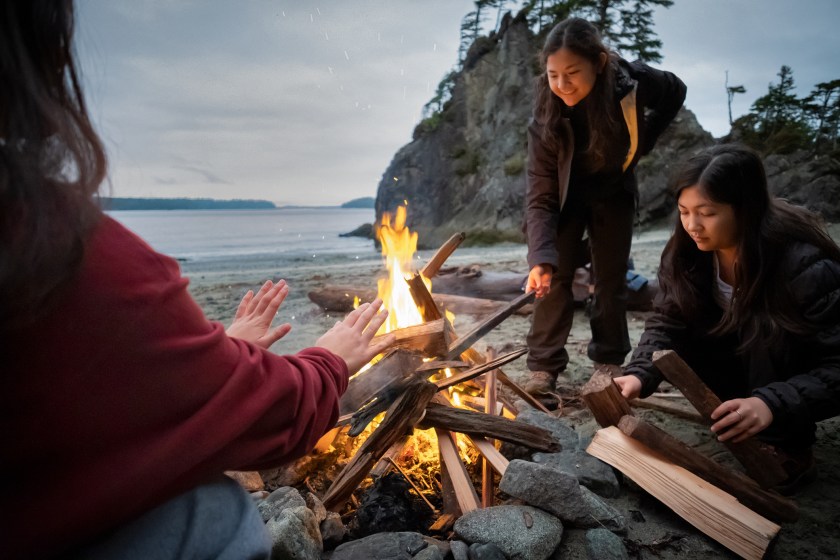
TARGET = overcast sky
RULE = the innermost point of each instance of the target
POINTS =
(307, 101)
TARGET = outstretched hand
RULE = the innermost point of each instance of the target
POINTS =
(539, 280)
(739, 419)
(350, 338)
(256, 312)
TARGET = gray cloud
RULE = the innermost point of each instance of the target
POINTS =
(307, 102)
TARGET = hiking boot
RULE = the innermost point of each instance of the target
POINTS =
(540, 383)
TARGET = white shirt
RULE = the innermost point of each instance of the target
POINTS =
(722, 291)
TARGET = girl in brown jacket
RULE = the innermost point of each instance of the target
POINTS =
(595, 115)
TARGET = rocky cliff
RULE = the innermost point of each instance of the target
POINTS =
(464, 170)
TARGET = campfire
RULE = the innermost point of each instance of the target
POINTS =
(419, 410)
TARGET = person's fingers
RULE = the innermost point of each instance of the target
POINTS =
(243, 305)
(274, 303)
(372, 326)
(364, 320)
(278, 333)
(352, 318)
(380, 346)
(268, 296)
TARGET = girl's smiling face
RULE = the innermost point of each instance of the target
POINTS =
(570, 76)
(710, 224)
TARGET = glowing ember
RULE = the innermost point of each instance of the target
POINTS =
(398, 247)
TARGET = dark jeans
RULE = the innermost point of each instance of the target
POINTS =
(609, 223)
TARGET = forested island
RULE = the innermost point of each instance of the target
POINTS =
(183, 204)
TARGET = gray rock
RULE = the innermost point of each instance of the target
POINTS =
(382, 546)
(429, 553)
(605, 545)
(333, 530)
(282, 498)
(486, 551)
(558, 427)
(295, 535)
(590, 471)
(460, 550)
(317, 507)
(560, 494)
(521, 532)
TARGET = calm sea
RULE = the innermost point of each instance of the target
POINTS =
(287, 233)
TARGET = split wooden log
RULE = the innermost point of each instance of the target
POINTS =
(433, 265)
(492, 455)
(475, 371)
(769, 504)
(485, 425)
(711, 510)
(462, 484)
(384, 465)
(423, 298)
(466, 341)
(604, 399)
(432, 338)
(760, 465)
(394, 366)
(402, 416)
(487, 481)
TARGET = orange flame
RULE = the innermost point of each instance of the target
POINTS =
(399, 245)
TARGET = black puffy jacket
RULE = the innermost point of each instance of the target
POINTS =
(798, 379)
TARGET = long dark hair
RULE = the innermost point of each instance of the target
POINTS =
(51, 159)
(734, 175)
(583, 39)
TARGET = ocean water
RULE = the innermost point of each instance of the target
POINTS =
(196, 236)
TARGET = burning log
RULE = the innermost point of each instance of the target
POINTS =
(461, 484)
(760, 465)
(485, 425)
(487, 486)
(394, 366)
(768, 504)
(431, 338)
(498, 461)
(401, 416)
(433, 266)
(479, 369)
(604, 399)
(710, 509)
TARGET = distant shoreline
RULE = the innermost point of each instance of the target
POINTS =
(140, 204)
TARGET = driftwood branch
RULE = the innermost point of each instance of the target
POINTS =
(768, 504)
(759, 464)
(710, 509)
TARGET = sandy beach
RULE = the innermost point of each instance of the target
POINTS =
(654, 531)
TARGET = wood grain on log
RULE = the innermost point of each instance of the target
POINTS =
(431, 338)
(711, 510)
(461, 483)
(768, 504)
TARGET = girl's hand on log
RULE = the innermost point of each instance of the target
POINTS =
(630, 386)
(255, 313)
(350, 339)
(539, 280)
(740, 419)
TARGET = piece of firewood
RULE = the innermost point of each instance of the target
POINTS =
(492, 455)
(711, 510)
(463, 342)
(462, 485)
(433, 265)
(431, 338)
(487, 480)
(604, 399)
(384, 465)
(679, 408)
(402, 416)
(443, 523)
(479, 369)
(486, 425)
(769, 504)
(394, 366)
(760, 465)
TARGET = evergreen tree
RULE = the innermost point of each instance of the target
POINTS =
(822, 110)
